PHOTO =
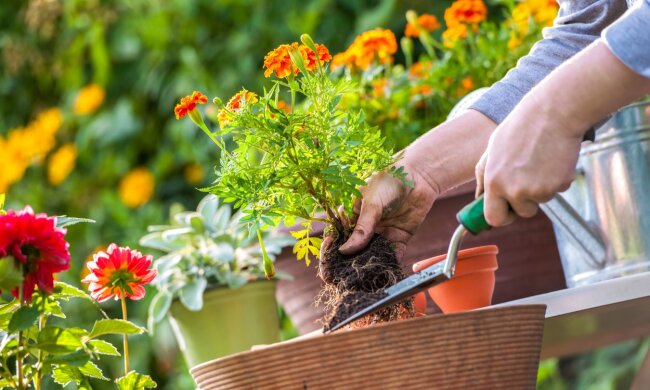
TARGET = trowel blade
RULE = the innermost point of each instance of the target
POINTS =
(399, 292)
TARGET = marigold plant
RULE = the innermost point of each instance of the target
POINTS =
(295, 163)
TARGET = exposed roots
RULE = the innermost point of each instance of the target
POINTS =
(354, 282)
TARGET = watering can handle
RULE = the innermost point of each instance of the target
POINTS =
(473, 217)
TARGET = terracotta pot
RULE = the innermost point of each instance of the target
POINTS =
(529, 263)
(473, 283)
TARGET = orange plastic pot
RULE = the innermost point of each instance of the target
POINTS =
(473, 282)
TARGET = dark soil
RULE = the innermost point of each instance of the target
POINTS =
(354, 282)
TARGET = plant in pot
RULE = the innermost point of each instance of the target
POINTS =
(211, 281)
(300, 161)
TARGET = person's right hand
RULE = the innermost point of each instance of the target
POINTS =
(390, 208)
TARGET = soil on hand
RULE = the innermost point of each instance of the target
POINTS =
(354, 282)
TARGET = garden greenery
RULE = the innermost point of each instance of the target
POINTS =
(296, 163)
(205, 248)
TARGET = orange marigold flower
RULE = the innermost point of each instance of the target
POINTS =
(465, 11)
(118, 272)
(279, 61)
(424, 90)
(426, 22)
(282, 105)
(420, 69)
(189, 103)
(454, 33)
(310, 57)
(236, 104)
(467, 83)
(374, 45)
(379, 87)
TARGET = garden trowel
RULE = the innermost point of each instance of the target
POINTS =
(472, 219)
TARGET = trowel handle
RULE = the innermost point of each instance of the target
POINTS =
(473, 217)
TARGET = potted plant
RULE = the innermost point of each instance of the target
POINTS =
(211, 281)
(300, 161)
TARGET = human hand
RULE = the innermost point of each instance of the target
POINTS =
(530, 157)
(390, 208)
(532, 154)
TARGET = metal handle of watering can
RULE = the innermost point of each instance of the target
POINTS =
(558, 210)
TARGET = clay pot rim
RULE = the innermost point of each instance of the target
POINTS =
(469, 254)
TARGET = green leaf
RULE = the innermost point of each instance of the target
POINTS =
(191, 295)
(91, 370)
(64, 221)
(58, 340)
(104, 327)
(160, 306)
(23, 318)
(135, 381)
(77, 359)
(64, 374)
(66, 291)
(103, 347)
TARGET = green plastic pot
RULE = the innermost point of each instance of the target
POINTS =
(231, 320)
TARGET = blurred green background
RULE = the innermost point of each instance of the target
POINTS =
(145, 54)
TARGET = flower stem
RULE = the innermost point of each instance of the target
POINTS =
(19, 355)
(126, 338)
(39, 362)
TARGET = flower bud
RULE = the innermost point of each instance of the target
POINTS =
(412, 17)
(307, 41)
(218, 102)
(298, 61)
(407, 46)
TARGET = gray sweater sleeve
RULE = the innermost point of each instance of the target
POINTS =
(579, 23)
(629, 38)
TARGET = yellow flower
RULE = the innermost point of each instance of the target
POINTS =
(89, 99)
(13, 166)
(543, 12)
(61, 163)
(193, 173)
(136, 187)
(26, 145)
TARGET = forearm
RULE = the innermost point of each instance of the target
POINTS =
(592, 85)
(578, 24)
(445, 157)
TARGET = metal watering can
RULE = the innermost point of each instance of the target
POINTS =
(612, 194)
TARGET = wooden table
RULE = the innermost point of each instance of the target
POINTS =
(584, 318)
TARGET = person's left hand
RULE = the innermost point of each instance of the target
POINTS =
(531, 156)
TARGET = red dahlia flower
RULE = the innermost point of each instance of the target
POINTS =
(37, 246)
(118, 272)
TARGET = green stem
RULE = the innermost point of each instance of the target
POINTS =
(126, 338)
(293, 93)
(39, 361)
(8, 374)
(19, 356)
